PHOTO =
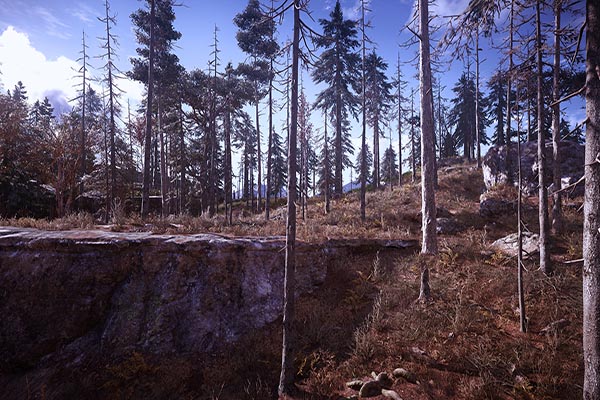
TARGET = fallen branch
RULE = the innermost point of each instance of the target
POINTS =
(580, 260)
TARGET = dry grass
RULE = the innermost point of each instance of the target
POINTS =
(465, 344)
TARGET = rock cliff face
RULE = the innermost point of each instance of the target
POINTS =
(66, 293)
(495, 166)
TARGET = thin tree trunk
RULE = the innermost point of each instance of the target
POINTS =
(258, 156)
(428, 209)
(591, 210)
(183, 165)
(522, 315)
(164, 179)
(286, 379)
(82, 138)
(412, 137)
(477, 119)
(326, 169)
(376, 168)
(398, 75)
(363, 145)
(556, 170)
(269, 150)
(148, 136)
(509, 75)
(545, 265)
(113, 166)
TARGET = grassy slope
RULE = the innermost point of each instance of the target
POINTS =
(465, 344)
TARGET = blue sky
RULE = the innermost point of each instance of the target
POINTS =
(41, 39)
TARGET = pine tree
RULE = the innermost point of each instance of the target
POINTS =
(337, 68)
(368, 164)
(111, 74)
(463, 117)
(379, 99)
(157, 68)
(389, 168)
(496, 105)
(256, 38)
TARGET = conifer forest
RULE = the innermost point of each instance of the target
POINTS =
(347, 204)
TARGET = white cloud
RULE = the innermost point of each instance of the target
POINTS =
(22, 62)
(443, 8)
(43, 77)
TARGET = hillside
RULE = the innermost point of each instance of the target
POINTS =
(464, 344)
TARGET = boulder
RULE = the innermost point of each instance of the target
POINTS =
(509, 244)
(490, 206)
(495, 171)
(447, 226)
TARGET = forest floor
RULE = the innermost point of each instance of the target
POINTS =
(463, 344)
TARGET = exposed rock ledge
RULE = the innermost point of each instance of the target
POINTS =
(116, 292)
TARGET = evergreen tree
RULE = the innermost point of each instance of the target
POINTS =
(337, 68)
(109, 80)
(462, 116)
(368, 165)
(389, 168)
(256, 38)
(379, 100)
(496, 105)
(158, 68)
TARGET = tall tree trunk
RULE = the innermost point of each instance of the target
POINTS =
(545, 265)
(326, 169)
(376, 168)
(339, 152)
(413, 149)
(509, 75)
(82, 138)
(286, 380)
(269, 149)
(363, 144)
(477, 119)
(183, 165)
(591, 209)
(148, 135)
(164, 179)
(522, 315)
(428, 209)
(258, 156)
(556, 170)
(111, 105)
(398, 77)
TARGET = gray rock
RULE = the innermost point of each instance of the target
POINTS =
(446, 226)
(490, 206)
(509, 244)
(494, 165)
(355, 384)
(370, 389)
(405, 374)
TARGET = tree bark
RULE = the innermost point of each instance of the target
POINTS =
(428, 225)
(556, 170)
(591, 209)
(477, 119)
(148, 135)
(363, 144)
(164, 179)
(269, 149)
(545, 265)
(286, 379)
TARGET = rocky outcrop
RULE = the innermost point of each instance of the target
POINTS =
(495, 167)
(509, 245)
(63, 293)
